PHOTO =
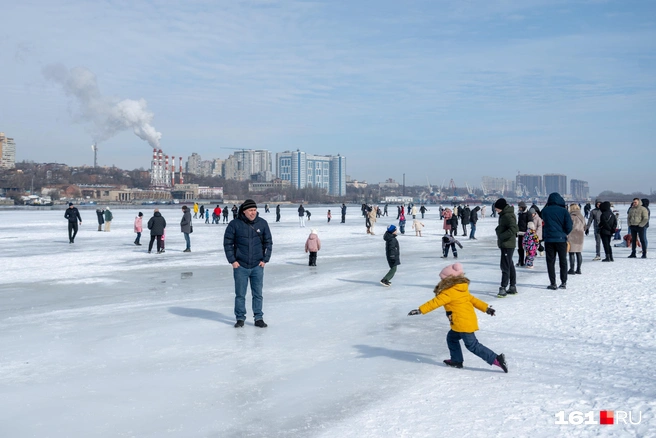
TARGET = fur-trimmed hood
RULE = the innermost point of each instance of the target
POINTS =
(449, 282)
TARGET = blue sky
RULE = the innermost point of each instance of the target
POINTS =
(433, 89)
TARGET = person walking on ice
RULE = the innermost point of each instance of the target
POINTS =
(418, 226)
(313, 245)
(392, 253)
(452, 292)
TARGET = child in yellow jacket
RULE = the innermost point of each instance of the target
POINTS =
(452, 292)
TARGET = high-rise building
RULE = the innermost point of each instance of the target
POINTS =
(7, 152)
(530, 185)
(305, 170)
(243, 164)
(555, 182)
(194, 164)
(579, 190)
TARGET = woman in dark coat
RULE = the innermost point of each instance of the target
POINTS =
(156, 225)
(607, 225)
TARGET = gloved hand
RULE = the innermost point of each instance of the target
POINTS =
(414, 312)
(587, 231)
(490, 311)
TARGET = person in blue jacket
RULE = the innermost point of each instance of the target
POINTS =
(248, 244)
(557, 225)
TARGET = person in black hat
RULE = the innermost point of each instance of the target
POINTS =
(248, 244)
(73, 216)
(506, 240)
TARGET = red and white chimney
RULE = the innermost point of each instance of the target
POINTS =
(181, 177)
(173, 171)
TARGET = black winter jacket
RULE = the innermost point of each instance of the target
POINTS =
(466, 216)
(507, 228)
(473, 216)
(556, 219)
(607, 221)
(392, 251)
(156, 224)
(246, 242)
(73, 214)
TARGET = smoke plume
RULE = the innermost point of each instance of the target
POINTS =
(109, 116)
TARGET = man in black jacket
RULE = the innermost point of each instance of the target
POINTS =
(73, 216)
(248, 244)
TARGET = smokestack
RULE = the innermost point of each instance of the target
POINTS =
(173, 171)
(160, 165)
(166, 172)
(94, 147)
(153, 169)
(181, 177)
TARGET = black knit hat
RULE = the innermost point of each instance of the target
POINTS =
(249, 203)
(500, 204)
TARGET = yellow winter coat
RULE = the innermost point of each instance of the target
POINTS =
(453, 294)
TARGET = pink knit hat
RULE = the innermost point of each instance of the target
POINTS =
(452, 271)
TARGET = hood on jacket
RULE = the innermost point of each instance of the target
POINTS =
(508, 209)
(388, 236)
(157, 214)
(449, 282)
(477, 208)
(645, 202)
(605, 206)
(556, 199)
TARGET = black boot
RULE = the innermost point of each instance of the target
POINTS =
(571, 271)
(578, 270)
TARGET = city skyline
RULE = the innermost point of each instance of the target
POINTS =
(435, 90)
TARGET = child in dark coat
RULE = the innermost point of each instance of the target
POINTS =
(392, 253)
(449, 241)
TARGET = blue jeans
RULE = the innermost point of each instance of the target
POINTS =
(188, 240)
(472, 344)
(473, 230)
(256, 277)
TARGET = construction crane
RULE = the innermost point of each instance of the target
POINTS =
(452, 185)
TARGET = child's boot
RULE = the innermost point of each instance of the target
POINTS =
(453, 364)
(500, 361)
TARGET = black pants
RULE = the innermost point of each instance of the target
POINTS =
(608, 248)
(313, 259)
(508, 273)
(453, 249)
(520, 250)
(159, 243)
(277, 217)
(635, 233)
(579, 261)
(72, 231)
(343, 219)
(553, 248)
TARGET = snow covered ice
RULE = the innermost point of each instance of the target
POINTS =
(101, 339)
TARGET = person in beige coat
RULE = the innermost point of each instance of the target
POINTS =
(575, 238)
(417, 226)
(372, 219)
